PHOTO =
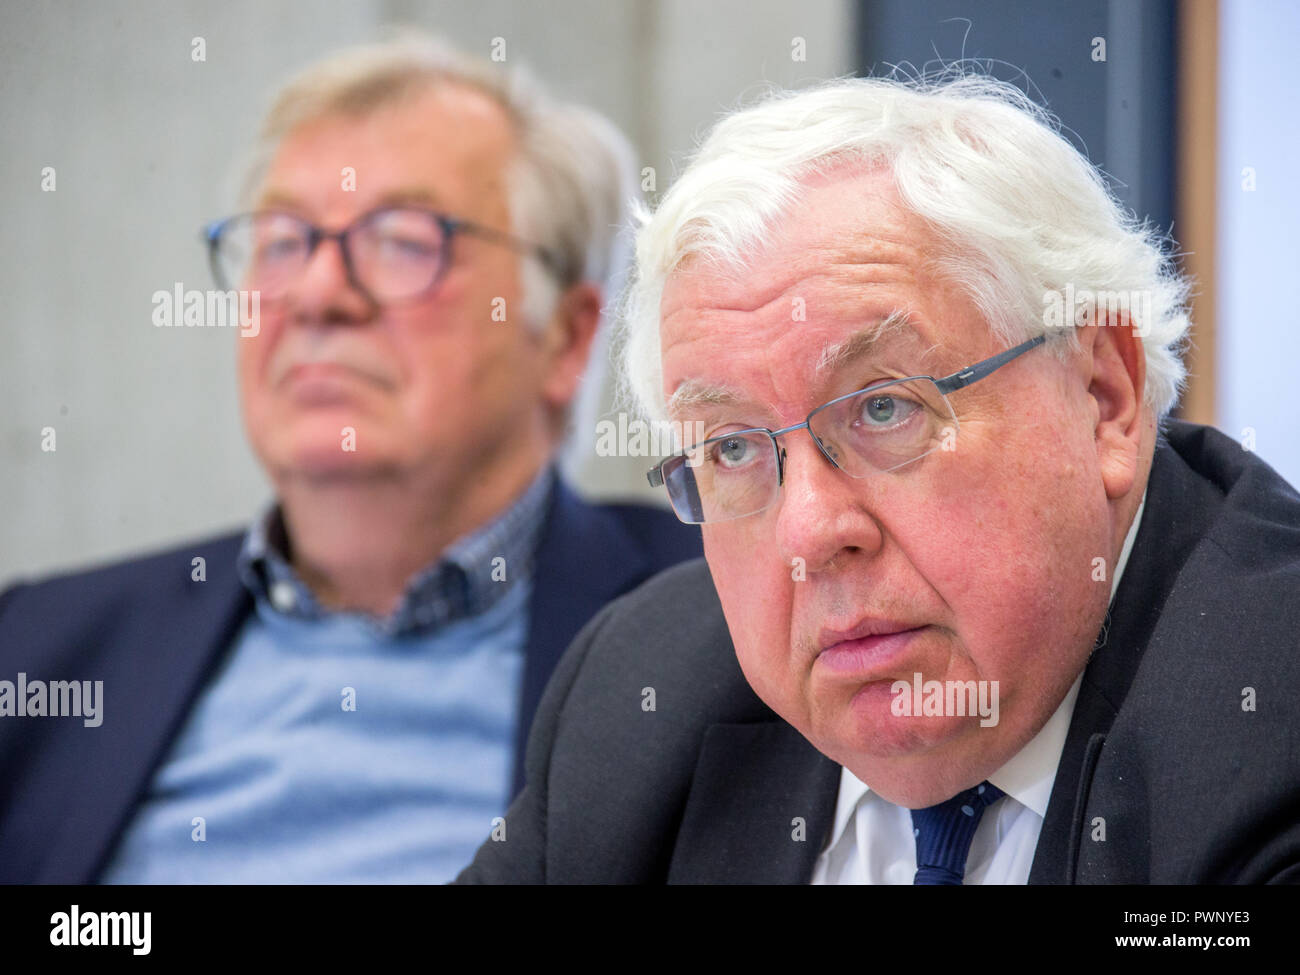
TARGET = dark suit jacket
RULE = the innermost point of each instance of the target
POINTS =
(1191, 787)
(154, 637)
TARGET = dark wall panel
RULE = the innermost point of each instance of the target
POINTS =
(1119, 112)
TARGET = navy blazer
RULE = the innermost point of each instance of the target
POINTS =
(155, 637)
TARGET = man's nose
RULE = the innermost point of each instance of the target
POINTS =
(822, 512)
(323, 290)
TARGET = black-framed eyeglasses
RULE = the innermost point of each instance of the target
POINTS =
(391, 254)
(880, 428)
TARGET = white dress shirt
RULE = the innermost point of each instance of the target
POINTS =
(872, 841)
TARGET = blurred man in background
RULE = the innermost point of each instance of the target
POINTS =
(342, 692)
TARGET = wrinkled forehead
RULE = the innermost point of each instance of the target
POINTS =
(888, 337)
(790, 331)
(843, 213)
(843, 289)
(447, 146)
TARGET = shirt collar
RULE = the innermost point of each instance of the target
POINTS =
(469, 577)
(1028, 776)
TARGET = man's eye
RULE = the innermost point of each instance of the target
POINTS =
(731, 452)
(407, 247)
(885, 410)
(280, 248)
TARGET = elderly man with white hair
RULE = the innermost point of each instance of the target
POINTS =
(973, 608)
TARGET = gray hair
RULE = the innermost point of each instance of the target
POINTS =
(570, 182)
(1019, 214)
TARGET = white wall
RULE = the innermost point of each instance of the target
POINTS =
(143, 139)
(1258, 256)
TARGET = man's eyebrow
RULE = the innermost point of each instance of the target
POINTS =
(694, 393)
(894, 325)
(278, 199)
(413, 196)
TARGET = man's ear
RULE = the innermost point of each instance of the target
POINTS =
(1117, 388)
(567, 343)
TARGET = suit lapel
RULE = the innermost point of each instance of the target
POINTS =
(1178, 506)
(585, 558)
(1058, 840)
(761, 803)
(154, 667)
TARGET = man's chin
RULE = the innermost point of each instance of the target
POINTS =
(870, 729)
(332, 458)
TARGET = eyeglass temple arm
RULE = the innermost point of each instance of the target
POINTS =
(959, 380)
(507, 240)
(655, 476)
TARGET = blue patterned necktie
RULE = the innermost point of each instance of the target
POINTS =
(943, 834)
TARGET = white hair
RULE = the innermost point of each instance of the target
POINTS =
(570, 181)
(1018, 213)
